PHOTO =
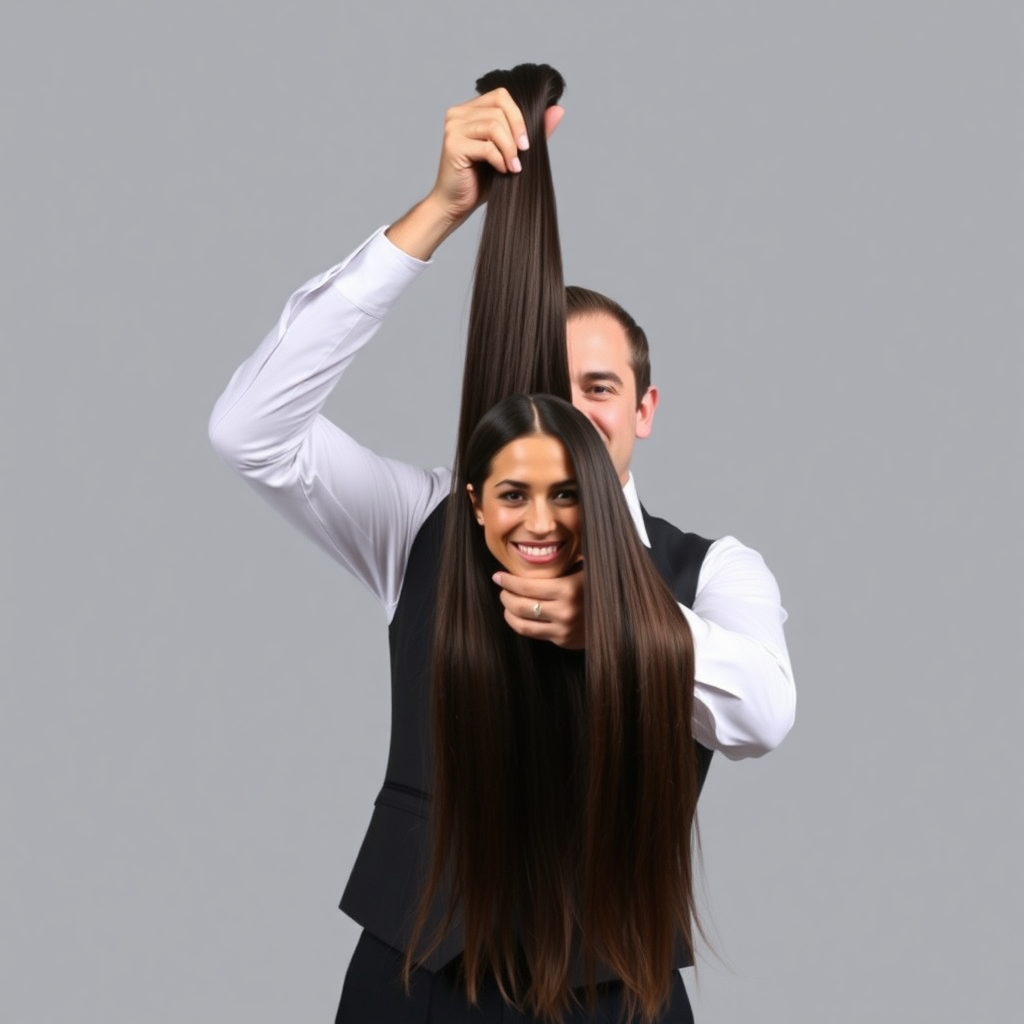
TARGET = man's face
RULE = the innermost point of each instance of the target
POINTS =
(604, 386)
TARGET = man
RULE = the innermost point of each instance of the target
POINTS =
(372, 514)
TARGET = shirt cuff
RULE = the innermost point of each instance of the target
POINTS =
(377, 273)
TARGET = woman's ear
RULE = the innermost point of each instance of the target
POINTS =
(475, 503)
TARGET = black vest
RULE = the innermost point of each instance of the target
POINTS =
(384, 888)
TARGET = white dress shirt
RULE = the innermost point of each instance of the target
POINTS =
(365, 510)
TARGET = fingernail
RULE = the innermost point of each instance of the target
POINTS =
(524, 142)
(494, 578)
(516, 165)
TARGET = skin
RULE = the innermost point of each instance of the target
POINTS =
(490, 129)
(529, 508)
(604, 390)
(604, 386)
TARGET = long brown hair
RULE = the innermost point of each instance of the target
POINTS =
(565, 784)
(516, 340)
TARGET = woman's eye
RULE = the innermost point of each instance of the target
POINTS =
(567, 497)
(512, 496)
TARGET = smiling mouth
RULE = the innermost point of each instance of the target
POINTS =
(539, 552)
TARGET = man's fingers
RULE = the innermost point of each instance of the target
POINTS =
(524, 586)
(531, 609)
(563, 634)
(496, 133)
(483, 151)
(536, 629)
(476, 123)
(556, 589)
(544, 609)
(487, 129)
(502, 99)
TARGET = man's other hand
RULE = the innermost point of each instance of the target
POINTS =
(545, 609)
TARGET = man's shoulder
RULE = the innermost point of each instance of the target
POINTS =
(670, 532)
(719, 554)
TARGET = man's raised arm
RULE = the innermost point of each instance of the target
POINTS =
(363, 509)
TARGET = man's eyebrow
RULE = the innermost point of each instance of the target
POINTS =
(596, 376)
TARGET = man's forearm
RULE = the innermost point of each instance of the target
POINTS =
(745, 699)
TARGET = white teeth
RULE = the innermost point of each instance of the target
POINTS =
(536, 551)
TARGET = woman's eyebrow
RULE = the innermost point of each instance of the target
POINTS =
(523, 486)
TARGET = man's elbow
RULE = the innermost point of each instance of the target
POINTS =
(772, 734)
(228, 442)
(763, 733)
(240, 446)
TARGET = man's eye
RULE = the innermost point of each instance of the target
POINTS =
(600, 389)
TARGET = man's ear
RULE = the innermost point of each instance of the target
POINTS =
(645, 413)
(475, 503)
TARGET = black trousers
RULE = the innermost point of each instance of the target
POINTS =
(374, 994)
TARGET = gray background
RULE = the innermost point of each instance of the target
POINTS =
(814, 208)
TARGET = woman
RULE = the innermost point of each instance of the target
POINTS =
(555, 856)
(565, 785)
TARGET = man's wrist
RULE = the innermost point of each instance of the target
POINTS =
(420, 231)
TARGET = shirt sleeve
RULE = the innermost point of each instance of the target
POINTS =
(363, 509)
(745, 698)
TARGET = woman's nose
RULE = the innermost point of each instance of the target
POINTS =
(539, 519)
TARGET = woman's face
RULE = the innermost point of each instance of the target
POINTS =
(529, 508)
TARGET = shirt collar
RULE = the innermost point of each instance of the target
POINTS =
(633, 501)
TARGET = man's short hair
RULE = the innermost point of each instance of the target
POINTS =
(581, 302)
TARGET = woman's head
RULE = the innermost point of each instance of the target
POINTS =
(528, 508)
(524, 486)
